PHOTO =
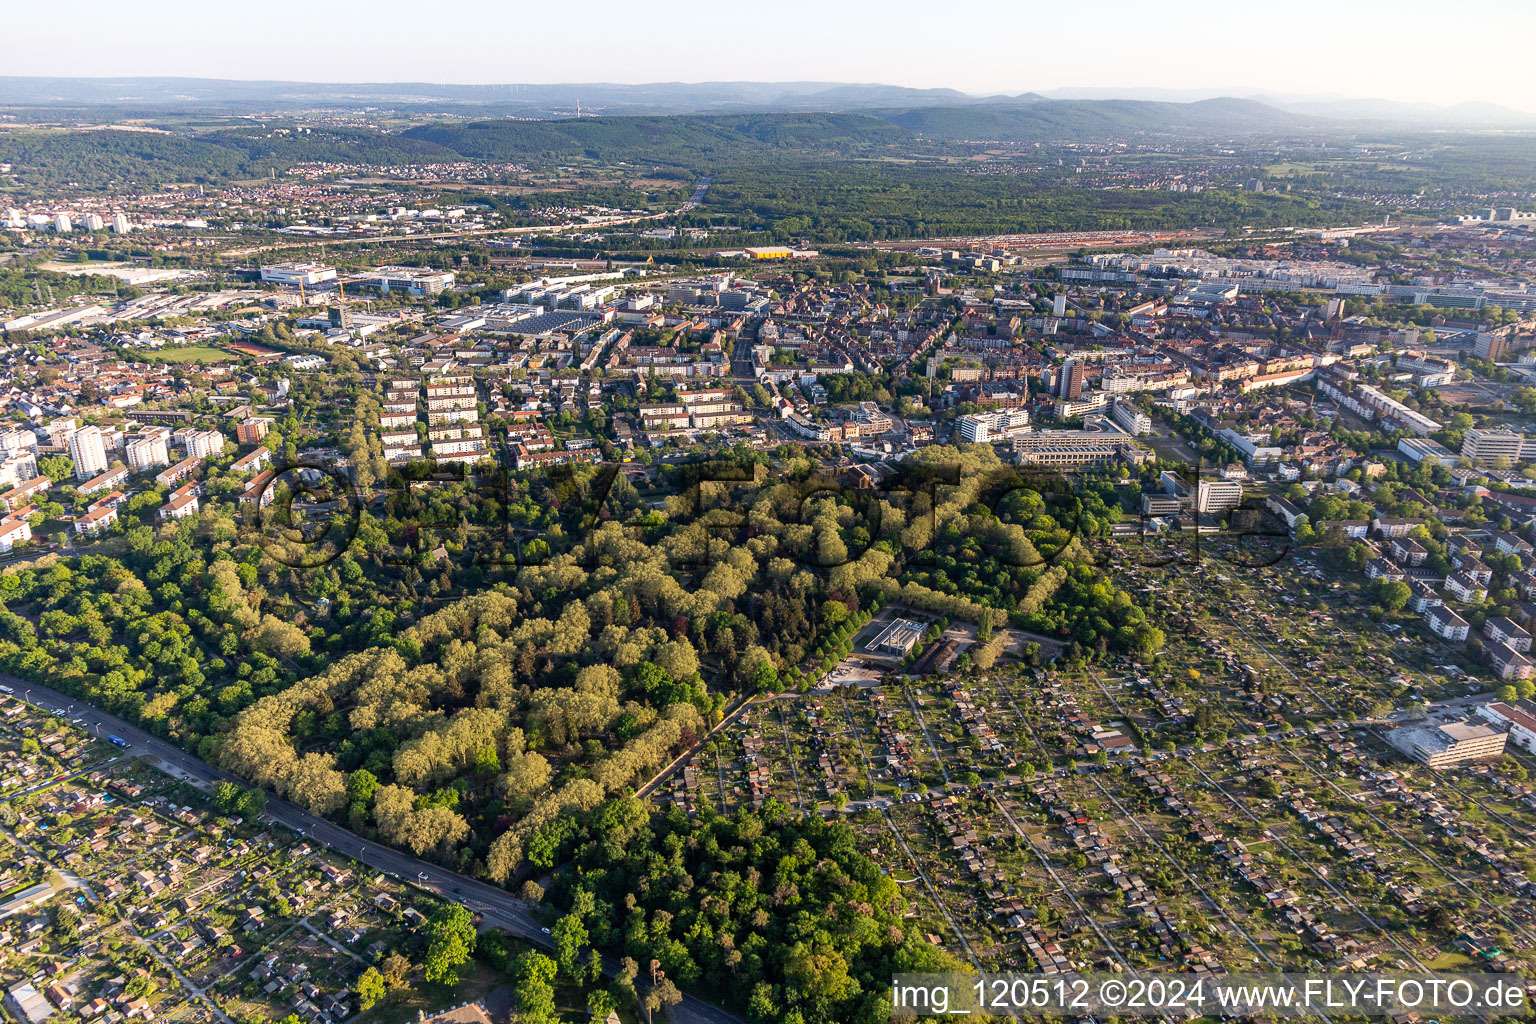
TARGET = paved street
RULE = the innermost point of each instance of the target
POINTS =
(498, 907)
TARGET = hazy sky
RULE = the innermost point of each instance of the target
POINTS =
(1421, 50)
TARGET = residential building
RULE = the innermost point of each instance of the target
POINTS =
(1446, 624)
(200, 444)
(183, 503)
(253, 429)
(1500, 629)
(88, 449)
(1464, 588)
(148, 451)
(1507, 662)
(252, 462)
(13, 532)
(1520, 722)
(1409, 552)
(1131, 419)
(1069, 381)
(102, 481)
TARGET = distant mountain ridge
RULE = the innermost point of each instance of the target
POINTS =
(994, 116)
(1060, 120)
(219, 95)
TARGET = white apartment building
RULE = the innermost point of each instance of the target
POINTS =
(200, 444)
(13, 441)
(1501, 630)
(88, 449)
(1521, 723)
(1446, 624)
(985, 427)
(18, 468)
(13, 532)
(147, 452)
(1131, 419)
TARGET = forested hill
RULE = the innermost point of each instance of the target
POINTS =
(1096, 120)
(664, 139)
(687, 140)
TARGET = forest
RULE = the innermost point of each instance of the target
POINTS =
(773, 914)
(829, 202)
(441, 689)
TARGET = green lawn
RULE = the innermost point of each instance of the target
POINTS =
(194, 354)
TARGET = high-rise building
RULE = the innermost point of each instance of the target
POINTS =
(255, 428)
(1490, 346)
(200, 444)
(120, 224)
(148, 451)
(1132, 419)
(92, 222)
(1213, 496)
(1059, 305)
(88, 449)
(1069, 381)
(61, 223)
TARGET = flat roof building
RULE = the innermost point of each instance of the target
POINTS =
(1450, 743)
(296, 274)
(898, 638)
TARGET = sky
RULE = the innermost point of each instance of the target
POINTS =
(1410, 50)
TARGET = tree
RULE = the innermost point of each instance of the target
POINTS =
(371, 989)
(57, 468)
(253, 804)
(452, 940)
(532, 977)
(361, 785)
(570, 937)
(600, 1003)
(281, 639)
(1393, 595)
(396, 972)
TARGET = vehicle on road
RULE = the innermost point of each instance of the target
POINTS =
(117, 740)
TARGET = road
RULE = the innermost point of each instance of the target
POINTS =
(497, 906)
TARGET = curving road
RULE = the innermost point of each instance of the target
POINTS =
(497, 906)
